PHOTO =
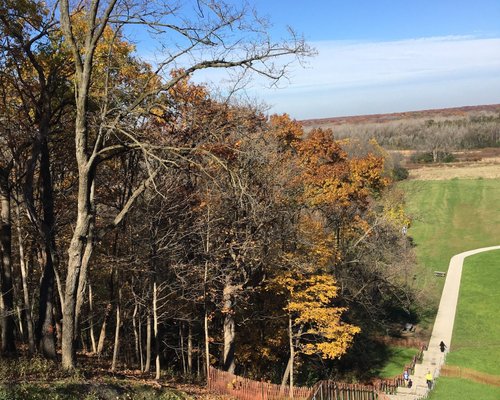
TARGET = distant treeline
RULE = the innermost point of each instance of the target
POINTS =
(438, 135)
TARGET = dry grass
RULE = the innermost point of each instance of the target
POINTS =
(457, 171)
(473, 164)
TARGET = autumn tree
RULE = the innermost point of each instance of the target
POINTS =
(256, 55)
(314, 323)
(38, 71)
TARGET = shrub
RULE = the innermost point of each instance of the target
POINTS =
(422, 158)
(400, 173)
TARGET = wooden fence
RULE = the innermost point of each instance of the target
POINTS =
(390, 386)
(246, 389)
(330, 390)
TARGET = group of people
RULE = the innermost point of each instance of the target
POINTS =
(409, 383)
(428, 376)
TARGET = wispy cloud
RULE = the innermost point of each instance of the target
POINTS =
(371, 77)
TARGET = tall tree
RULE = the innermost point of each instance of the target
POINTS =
(8, 324)
(213, 32)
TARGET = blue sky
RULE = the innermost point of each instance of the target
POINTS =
(386, 56)
(380, 56)
(383, 20)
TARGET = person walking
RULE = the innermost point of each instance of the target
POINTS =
(442, 346)
(428, 379)
(406, 376)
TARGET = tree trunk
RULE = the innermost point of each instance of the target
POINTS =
(190, 349)
(45, 329)
(82, 280)
(86, 170)
(8, 323)
(289, 365)
(19, 321)
(286, 374)
(205, 302)
(157, 337)
(75, 253)
(24, 282)
(183, 352)
(136, 333)
(229, 327)
(292, 353)
(147, 368)
(116, 346)
(207, 345)
(91, 321)
(141, 350)
(102, 334)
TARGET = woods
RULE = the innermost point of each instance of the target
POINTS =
(157, 226)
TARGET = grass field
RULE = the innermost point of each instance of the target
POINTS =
(461, 389)
(451, 217)
(398, 359)
(475, 342)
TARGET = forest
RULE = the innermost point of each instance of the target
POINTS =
(149, 223)
(433, 135)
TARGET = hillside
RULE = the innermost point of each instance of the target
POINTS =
(391, 117)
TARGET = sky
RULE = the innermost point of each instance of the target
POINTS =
(388, 55)
(382, 56)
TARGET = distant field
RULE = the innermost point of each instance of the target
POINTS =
(489, 169)
(471, 164)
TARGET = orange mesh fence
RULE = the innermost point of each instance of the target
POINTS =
(454, 371)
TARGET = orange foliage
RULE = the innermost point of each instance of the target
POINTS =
(286, 130)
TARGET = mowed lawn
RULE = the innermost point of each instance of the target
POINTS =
(461, 389)
(451, 217)
(476, 340)
(399, 357)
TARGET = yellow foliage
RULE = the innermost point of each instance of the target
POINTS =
(394, 209)
(310, 306)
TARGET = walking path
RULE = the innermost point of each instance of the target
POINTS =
(433, 359)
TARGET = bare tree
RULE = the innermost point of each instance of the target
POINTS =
(213, 34)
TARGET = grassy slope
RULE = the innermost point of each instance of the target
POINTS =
(452, 217)
(475, 342)
(399, 357)
(461, 389)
